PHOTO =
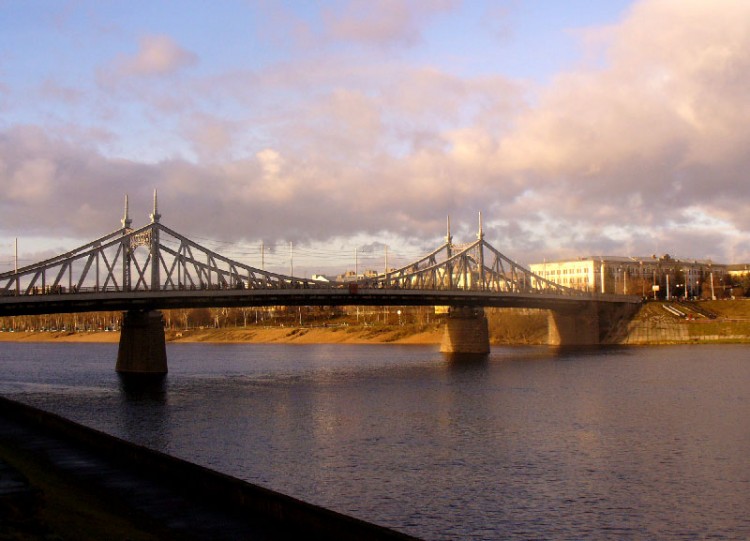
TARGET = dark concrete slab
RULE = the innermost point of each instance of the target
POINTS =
(181, 500)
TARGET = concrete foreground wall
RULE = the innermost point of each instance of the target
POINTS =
(283, 516)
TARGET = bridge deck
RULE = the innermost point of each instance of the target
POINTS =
(176, 299)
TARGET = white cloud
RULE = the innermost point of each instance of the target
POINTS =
(157, 55)
(607, 158)
(386, 22)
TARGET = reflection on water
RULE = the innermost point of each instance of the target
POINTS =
(143, 415)
(138, 387)
(606, 443)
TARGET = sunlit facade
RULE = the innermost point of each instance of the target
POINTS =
(654, 276)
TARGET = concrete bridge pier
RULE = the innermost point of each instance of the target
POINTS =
(590, 324)
(143, 347)
(466, 332)
(575, 326)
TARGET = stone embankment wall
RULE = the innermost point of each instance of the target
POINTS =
(655, 332)
(726, 321)
(688, 323)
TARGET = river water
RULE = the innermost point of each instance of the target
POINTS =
(618, 443)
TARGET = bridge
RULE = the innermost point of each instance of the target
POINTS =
(142, 271)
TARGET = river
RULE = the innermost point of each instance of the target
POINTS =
(613, 443)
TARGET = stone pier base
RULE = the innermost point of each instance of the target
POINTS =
(590, 324)
(466, 332)
(574, 327)
(142, 344)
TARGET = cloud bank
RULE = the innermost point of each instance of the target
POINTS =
(642, 150)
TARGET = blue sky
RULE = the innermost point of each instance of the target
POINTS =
(577, 127)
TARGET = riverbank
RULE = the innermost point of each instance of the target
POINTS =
(301, 335)
(726, 321)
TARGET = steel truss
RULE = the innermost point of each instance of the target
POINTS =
(476, 267)
(156, 258)
(152, 258)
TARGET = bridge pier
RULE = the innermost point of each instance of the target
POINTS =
(590, 324)
(142, 344)
(466, 332)
(577, 326)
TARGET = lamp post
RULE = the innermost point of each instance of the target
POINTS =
(617, 274)
(643, 282)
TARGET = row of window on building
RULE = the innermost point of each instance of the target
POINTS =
(658, 276)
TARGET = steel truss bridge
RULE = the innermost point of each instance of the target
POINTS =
(155, 267)
(141, 271)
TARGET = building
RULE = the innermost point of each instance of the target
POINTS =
(353, 276)
(739, 272)
(657, 277)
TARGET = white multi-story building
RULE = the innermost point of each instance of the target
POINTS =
(662, 277)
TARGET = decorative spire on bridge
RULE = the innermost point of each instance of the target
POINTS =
(126, 221)
(155, 216)
(480, 253)
(155, 247)
(449, 249)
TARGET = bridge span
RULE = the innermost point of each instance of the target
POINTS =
(141, 271)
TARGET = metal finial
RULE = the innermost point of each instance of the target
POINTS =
(155, 215)
(448, 237)
(480, 234)
(126, 221)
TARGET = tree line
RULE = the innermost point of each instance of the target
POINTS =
(192, 318)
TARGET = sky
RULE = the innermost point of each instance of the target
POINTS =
(576, 128)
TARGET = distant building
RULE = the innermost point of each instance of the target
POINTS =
(740, 277)
(739, 272)
(659, 277)
(351, 276)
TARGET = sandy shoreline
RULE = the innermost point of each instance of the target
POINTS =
(651, 325)
(260, 335)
